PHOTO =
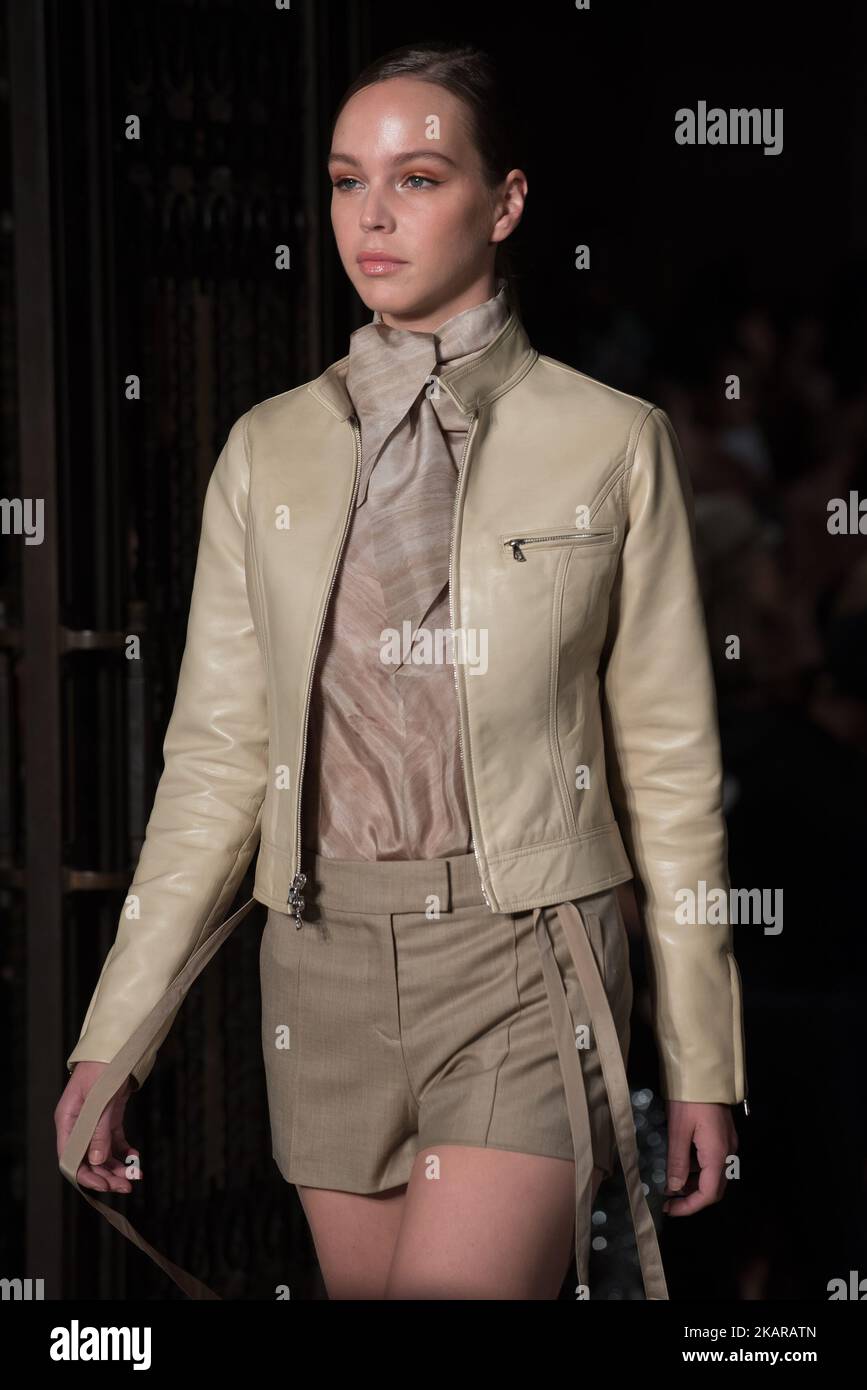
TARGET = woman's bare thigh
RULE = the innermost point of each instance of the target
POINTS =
(476, 1224)
(483, 1223)
(354, 1235)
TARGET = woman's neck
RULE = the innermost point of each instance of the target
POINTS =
(421, 319)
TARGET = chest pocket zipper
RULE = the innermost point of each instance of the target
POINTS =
(599, 536)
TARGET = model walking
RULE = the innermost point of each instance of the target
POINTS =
(447, 589)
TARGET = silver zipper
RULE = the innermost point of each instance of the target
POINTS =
(588, 536)
(296, 902)
(470, 433)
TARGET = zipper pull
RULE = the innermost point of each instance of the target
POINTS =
(295, 900)
(517, 552)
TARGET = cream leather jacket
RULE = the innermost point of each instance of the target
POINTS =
(589, 735)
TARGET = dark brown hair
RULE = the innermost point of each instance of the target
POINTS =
(471, 74)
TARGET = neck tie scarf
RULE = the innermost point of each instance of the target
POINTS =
(407, 474)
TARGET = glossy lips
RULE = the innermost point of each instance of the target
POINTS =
(379, 263)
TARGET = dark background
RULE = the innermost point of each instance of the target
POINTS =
(156, 258)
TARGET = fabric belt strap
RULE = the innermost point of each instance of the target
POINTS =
(111, 1080)
(616, 1085)
(605, 1037)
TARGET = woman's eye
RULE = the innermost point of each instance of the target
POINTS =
(347, 178)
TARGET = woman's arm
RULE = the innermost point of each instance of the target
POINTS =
(665, 774)
(204, 826)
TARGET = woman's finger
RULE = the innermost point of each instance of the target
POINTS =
(678, 1158)
(709, 1188)
(102, 1178)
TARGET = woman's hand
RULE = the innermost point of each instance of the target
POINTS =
(106, 1169)
(711, 1130)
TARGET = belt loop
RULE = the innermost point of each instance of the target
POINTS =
(452, 887)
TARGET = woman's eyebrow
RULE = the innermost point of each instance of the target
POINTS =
(336, 156)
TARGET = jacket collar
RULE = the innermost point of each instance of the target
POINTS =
(507, 358)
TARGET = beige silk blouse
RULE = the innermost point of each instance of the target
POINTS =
(383, 777)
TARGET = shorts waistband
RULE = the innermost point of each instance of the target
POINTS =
(392, 885)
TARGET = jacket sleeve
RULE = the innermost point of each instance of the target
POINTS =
(204, 824)
(665, 773)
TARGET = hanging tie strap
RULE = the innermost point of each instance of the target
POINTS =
(616, 1085)
(110, 1082)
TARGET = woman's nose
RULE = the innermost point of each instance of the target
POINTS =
(375, 213)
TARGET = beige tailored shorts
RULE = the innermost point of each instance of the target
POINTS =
(404, 1014)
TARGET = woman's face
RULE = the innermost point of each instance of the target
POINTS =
(408, 183)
